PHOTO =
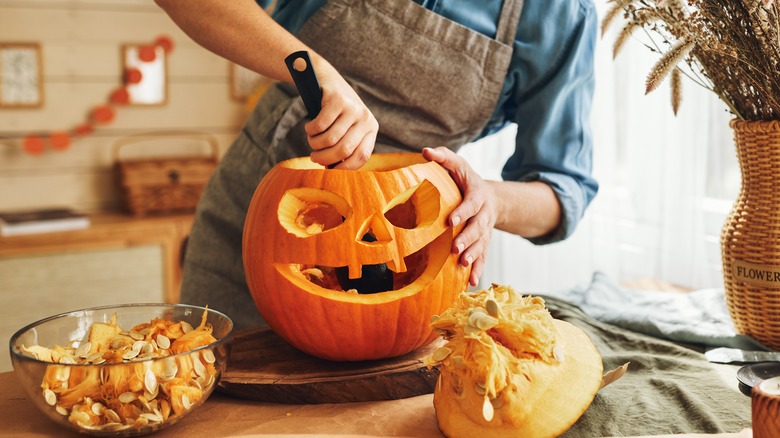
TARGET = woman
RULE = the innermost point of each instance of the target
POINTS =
(425, 75)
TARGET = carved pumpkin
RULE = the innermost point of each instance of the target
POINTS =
(305, 223)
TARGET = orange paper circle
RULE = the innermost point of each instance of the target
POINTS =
(165, 42)
(133, 76)
(33, 144)
(147, 53)
(103, 114)
(59, 140)
(120, 96)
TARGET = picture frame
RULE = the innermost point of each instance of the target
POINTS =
(152, 88)
(21, 75)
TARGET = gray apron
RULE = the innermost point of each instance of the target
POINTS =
(428, 81)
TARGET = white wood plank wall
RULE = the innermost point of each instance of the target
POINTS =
(81, 44)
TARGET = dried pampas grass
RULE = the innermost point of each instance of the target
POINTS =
(731, 47)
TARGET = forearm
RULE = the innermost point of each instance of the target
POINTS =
(240, 31)
(528, 209)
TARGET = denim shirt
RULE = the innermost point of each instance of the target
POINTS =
(548, 91)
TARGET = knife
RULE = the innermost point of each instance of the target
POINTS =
(306, 81)
(734, 355)
(307, 84)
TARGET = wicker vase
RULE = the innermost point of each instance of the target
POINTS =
(750, 239)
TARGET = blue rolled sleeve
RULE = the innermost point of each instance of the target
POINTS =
(551, 91)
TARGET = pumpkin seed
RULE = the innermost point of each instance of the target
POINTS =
(130, 354)
(185, 402)
(150, 382)
(61, 410)
(200, 369)
(140, 422)
(152, 417)
(208, 356)
(79, 417)
(98, 408)
(62, 374)
(112, 416)
(50, 397)
(84, 348)
(493, 308)
(114, 427)
(151, 395)
(487, 410)
(163, 342)
(186, 327)
(144, 403)
(558, 353)
(127, 397)
(483, 321)
(148, 349)
(137, 336)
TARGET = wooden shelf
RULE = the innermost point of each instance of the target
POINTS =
(112, 231)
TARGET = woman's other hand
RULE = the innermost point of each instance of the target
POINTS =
(477, 210)
(344, 132)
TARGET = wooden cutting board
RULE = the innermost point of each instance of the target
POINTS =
(262, 366)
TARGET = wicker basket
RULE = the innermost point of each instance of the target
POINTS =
(164, 185)
(750, 239)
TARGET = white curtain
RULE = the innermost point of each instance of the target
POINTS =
(666, 185)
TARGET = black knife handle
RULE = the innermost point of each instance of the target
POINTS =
(306, 82)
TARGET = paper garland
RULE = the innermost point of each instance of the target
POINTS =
(36, 144)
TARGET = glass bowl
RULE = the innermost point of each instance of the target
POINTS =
(122, 370)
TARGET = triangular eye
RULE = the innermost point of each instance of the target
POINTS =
(306, 211)
(415, 208)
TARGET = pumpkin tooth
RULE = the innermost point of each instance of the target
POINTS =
(355, 271)
(397, 264)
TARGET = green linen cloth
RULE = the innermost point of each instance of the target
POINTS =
(669, 388)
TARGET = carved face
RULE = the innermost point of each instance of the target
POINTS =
(306, 224)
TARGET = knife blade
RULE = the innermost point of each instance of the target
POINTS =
(734, 355)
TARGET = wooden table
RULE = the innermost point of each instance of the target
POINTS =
(223, 416)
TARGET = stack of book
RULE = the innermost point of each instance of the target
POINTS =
(15, 223)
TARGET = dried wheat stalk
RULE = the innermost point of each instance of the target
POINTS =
(731, 47)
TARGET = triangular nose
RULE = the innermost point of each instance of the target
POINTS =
(377, 228)
(374, 230)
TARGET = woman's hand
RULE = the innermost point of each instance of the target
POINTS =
(477, 210)
(344, 132)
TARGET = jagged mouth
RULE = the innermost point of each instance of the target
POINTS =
(426, 262)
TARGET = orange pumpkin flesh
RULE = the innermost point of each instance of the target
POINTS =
(306, 221)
